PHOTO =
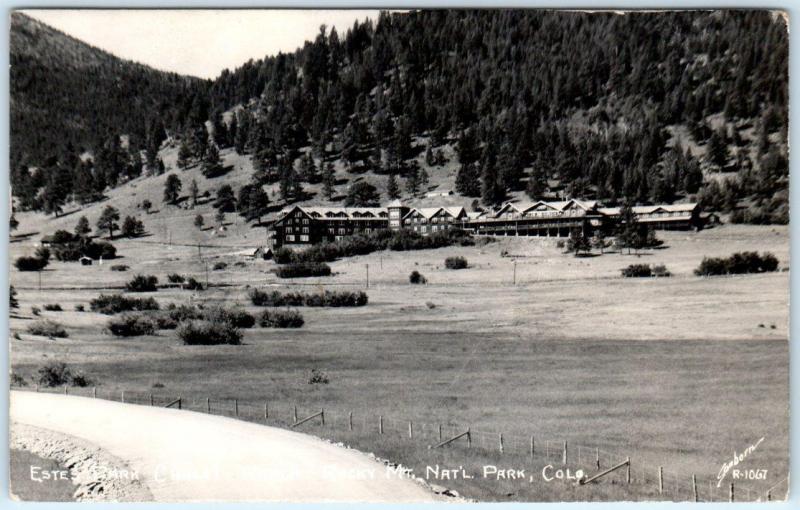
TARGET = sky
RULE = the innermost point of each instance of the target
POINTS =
(196, 42)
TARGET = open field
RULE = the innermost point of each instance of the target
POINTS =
(678, 371)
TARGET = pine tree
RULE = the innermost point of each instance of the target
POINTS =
(198, 221)
(424, 179)
(130, 227)
(13, 303)
(468, 180)
(392, 189)
(212, 165)
(242, 133)
(219, 217)
(430, 159)
(362, 194)
(412, 179)
(184, 155)
(328, 181)
(257, 204)
(194, 191)
(82, 228)
(492, 191)
(107, 220)
(172, 189)
(467, 148)
(225, 201)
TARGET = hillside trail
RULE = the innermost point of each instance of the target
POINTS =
(184, 456)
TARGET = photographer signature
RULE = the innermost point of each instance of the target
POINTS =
(737, 459)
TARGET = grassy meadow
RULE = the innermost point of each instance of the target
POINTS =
(677, 372)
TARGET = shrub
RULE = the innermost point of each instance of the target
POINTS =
(192, 284)
(30, 264)
(318, 377)
(81, 380)
(130, 324)
(54, 373)
(163, 320)
(637, 270)
(219, 266)
(281, 319)
(175, 278)
(236, 317)
(208, 333)
(183, 313)
(141, 283)
(455, 263)
(303, 269)
(325, 298)
(661, 270)
(80, 308)
(115, 303)
(119, 267)
(48, 328)
(53, 307)
(18, 380)
(738, 263)
(97, 249)
(416, 278)
(35, 310)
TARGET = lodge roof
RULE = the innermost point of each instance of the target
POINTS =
(650, 209)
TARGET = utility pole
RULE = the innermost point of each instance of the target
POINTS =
(206, 264)
(515, 271)
(40, 280)
(367, 265)
(199, 253)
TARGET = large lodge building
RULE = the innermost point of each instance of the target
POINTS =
(311, 225)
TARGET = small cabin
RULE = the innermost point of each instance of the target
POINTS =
(85, 261)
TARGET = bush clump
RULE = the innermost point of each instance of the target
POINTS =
(119, 267)
(48, 328)
(53, 307)
(80, 308)
(281, 319)
(175, 278)
(219, 266)
(318, 377)
(637, 270)
(192, 284)
(142, 283)
(209, 333)
(416, 278)
(455, 263)
(183, 312)
(738, 263)
(30, 263)
(131, 324)
(303, 269)
(661, 271)
(325, 298)
(236, 317)
(56, 373)
(110, 304)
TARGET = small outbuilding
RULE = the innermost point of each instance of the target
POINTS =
(85, 261)
(263, 252)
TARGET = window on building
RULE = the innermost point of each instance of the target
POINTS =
(304, 238)
(289, 238)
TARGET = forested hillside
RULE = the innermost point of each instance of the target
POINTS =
(649, 107)
(68, 98)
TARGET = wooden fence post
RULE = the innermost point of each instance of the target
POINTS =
(266, 411)
(440, 432)
(410, 429)
(208, 405)
(628, 470)
(660, 480)
(694, 487)
(151, 400)
(769, 495)
(180, 402)
(322, 415)
(295, 414)
(65, 390)
(501, 442)
(730, 496)
(94, 392)
(532, 446)
(597, 457)
(564, 454)
(36, 388)
(469, 439)
(380, 424)
(236, 407)
(350, 420)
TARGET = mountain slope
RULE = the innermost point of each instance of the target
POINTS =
(64, 91)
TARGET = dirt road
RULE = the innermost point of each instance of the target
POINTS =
(184, 456)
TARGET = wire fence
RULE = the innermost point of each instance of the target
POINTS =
(340, 425)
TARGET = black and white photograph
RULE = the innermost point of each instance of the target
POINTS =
(398, 256)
